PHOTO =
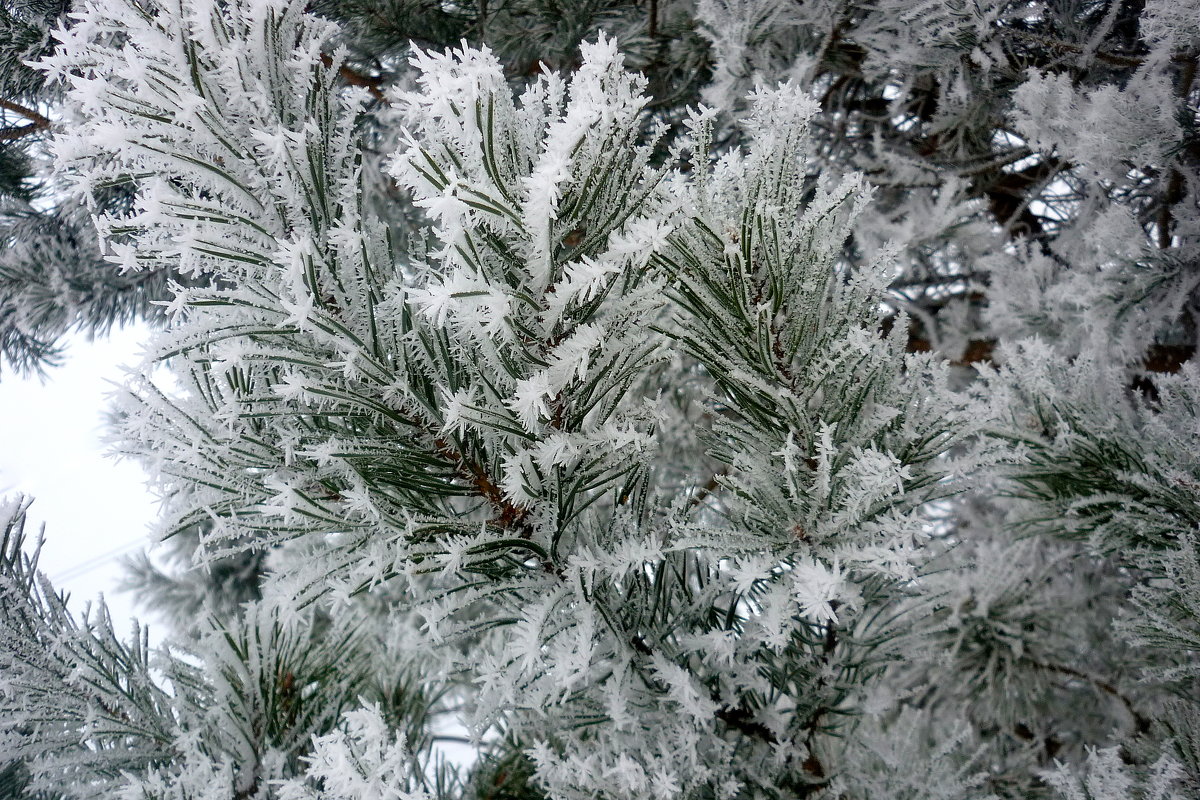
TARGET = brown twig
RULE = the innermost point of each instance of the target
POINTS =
(17, 132)
(356, 78)
(812, 764)
(511, 516)
(704, 491)
(36, 120)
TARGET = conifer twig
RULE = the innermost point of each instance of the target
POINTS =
(356, 78)
(37, 121)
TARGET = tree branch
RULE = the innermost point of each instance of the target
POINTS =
(704, 491)
(39, 122)
(356, 78)
(511, 516)
(13, 132)
(17, 132)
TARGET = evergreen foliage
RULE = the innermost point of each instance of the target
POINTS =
(615, 398)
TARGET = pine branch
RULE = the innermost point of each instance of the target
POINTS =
(414, 428)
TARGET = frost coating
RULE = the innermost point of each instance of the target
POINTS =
(622, 448)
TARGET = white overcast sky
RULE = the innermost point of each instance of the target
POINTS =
(51, 448)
